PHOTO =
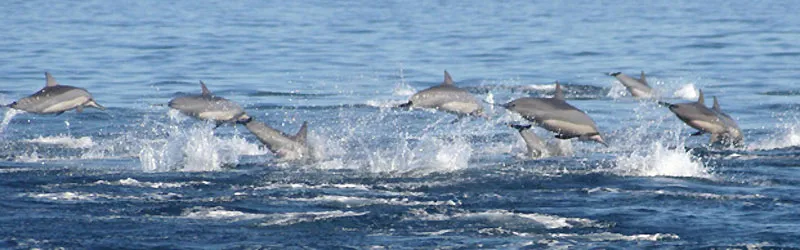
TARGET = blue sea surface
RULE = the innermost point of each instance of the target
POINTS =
(139, 175)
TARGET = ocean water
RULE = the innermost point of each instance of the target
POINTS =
(141, 176)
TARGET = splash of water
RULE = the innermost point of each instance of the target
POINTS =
(193, 149)
(10, 113)
(788, 136)
(687, 92)
(659, 160)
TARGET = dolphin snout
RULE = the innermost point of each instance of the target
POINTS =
(598, 139)
(96, 105)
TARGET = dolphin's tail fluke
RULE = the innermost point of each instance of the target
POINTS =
(302, 133)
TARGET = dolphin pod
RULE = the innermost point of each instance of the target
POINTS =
(553, 114)
(56, 99)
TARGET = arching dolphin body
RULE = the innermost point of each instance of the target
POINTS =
(556, 115)
(56, 99)
(446, 97)
(206, 106)
(285, 146)
(700, 117)
(637, 87)
(733, 135)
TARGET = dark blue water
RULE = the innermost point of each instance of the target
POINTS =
(140, 176)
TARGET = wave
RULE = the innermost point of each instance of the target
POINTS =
(136, 183)
(793, 92)
(98, 197)
(286, 219)
(63, 140)
(508, 219)
(788, 135)
(352, 201)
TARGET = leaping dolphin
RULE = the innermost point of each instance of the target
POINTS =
(56, 99)
(446, 97)
(700, 117)
(637, 87)
(556, 115)
(285, 146)
(733, 133)
(207, 106)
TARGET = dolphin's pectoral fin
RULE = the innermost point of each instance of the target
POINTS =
(405, 105)
(714, 139)
(59, 113)
(698, 133)
(218, 124)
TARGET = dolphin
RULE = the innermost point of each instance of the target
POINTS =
(56, 98)
(207, 106)
(446, 97)
(700, 117)
(285, 146)
(733, 135)
(536, 147)
(556, 115)
(637, 87)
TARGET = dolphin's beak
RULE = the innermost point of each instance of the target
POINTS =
(94, 104)
(598, 139)
(244, 119)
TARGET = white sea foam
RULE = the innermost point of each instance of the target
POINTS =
(659, 160)
(285, 219)
(431, 155)
(352, 201)
(97, 197)
(63, 140)
(136, 183)
(218, 213)
(540, 87)
(506, 218)
(608, 236)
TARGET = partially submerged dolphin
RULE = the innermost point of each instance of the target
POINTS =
(56, 99)
(733, 133)
(206, 106)
(446, 97)
(705, 120)
(637, 87)
(556, 115)
(535, 145)
(287, 147)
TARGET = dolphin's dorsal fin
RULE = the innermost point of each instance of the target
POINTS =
(559, 93)
(700, 99)
(716, 105)
(50, 80)
(642, 79)
(205, 90)
(301, 134)
(447, 79)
